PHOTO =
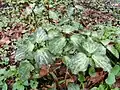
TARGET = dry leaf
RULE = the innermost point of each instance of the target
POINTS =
(44, 70)
(4, 40)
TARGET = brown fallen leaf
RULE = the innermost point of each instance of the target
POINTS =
(99, 77)
(92, 17)
(44, 71)
(4, 40)
(117, 83)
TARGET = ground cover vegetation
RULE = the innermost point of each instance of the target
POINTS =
(59, 44)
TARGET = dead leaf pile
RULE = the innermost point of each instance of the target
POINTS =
(92, 17)
(97, 79)
(57, 74)
(7, 37)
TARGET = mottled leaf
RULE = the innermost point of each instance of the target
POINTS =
(42, 57)
(33, 84)
(78, 62)
(4, 87)
(70, 11)
(20, 54)
(24, 69)
(2, 71)
(90, 46)
(72, 86)
(68, 29)
(114, 51)
(53, 15)
(101, 50)
(76, 39)
(18, 86)
(56, 45)
(102, 61)
(23, 50)
(30, 46)
(40, 35)
(53, 33)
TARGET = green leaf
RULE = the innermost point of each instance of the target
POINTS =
(76, 39)
(53, 33)
(101, 50)
(79, 7)
(39, 9)
(92, 71)
(1, 78)
(2, 71)
(26, 83)
(111, 79)
(68, 29)
(78, 62)
(33, 84)
(115, 88)
(64, 20)
(4, 21)
(56, 45)
(24, 69)
(21, 87)
(42, 56)
(118, 47)
(115, 70)
(69, 48)
(4, 87)
(77, 26)
(30, 46)
(18, 86)
(114, 51)
(70, 11)
(40, 35)
(90, 46)
(102, 61)
(72, 86)
(106, 42)
(24, 47)
(53, 15)
(20, 54)
(29, 10)
(11, 72)
(94, 88)
(1, 25)
(101, 87)
(81, 78)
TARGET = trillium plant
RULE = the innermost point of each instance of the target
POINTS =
(77, 48)
(53, 30)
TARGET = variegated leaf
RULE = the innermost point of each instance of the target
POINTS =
(101, 50)
(78, 63)
(90, 46)
(76, 39)
(68, 29)
(20, 54)
(23, 50)
(73, 86)
(42, 56)
(53, 15)
(113, 50)
(24, 69)
(40, 35)
(56, 45)
(102, 61)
